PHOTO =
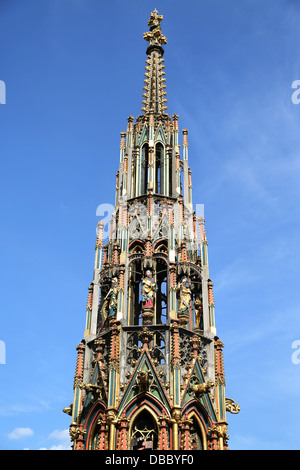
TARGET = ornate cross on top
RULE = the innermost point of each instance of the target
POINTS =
(155, 36)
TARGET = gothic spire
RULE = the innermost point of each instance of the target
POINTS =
(150, 372)
(154, 89)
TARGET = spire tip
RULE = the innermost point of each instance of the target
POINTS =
(155, 36)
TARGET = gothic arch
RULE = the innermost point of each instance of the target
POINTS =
(162, 281)
(91, 422)
(134, 288)
(136, 246)
(144, 169)
(148, 428)
(137, 403)
(193, 416)
(149, 404)
(161, 246)
(195, 411)
(159, 167)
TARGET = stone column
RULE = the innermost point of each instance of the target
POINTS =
(122, 433)
(185, 433)
(163, 440)
(103, 433)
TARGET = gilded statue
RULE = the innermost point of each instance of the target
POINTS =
(198, 312)
(184, 295)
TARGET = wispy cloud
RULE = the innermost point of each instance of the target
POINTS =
(57, 439)
(232, 276)
(22, 408)
(61, 440)
(20, 433)
(269, 327)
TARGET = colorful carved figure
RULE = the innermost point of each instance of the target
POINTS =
(109, 307)
(183, 295)
(149, 287)
(198, 311)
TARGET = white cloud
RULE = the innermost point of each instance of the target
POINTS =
(60, 435)
(238, 273)
(60, 447)
(20, 433)
(61, 438)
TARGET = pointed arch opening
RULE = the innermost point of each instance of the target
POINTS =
(145, 164)
(159, 168)
(134, 292)
(144, 431)
(95, 427)
(200, 422)
(170, 179)
(161, 305)
(98, 439)
(197, 435)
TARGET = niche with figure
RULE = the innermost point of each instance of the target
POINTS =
(144, 432)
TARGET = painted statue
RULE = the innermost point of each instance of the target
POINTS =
(109, 307)
(198, 312)
(149, 287)
(184, 295)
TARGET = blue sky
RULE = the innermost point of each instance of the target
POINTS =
(73, 71)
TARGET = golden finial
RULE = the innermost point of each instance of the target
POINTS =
(155, 36)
